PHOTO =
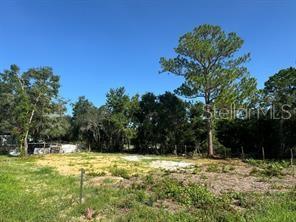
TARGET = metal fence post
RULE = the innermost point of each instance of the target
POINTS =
(81, 184)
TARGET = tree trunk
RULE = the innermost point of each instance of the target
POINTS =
(25, 141)
(27, 133)
(26, 146)
(210, 131)
(22, 150)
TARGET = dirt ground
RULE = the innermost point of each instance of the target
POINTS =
(219, 176)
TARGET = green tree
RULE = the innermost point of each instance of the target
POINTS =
(171, 121)
(280, 97)
(86, 122)
(34, 93)
(6, 105)
(195, 131)
(281, 89)
(121, 111)
(147, 121)
(206, 58)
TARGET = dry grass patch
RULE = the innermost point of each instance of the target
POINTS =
(95, 163)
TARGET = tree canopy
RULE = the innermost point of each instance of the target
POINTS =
(207, 59)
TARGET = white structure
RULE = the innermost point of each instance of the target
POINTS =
(69, 148)
(14, 153)
(60, 148)
(40, 151)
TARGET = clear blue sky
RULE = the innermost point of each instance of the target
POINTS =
(95, 45)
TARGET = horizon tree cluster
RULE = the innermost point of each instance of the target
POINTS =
(31, 108)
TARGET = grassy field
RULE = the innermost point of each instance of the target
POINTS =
(120, 188)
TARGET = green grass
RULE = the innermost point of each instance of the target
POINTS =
(29, 192)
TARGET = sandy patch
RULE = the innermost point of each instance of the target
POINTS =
(136, 158)
(97, 181)
(170, 165)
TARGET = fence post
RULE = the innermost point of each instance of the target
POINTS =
(81, 184)
(263, 153)
(292, 157)
(243, 153)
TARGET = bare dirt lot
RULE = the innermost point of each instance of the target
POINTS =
(218, 175)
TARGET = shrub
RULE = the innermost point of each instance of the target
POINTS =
(273, 170)
(253, 162)
(119, 172)
(96, 174)
(196, 195)
(192, 195)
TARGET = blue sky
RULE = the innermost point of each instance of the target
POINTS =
(95, 45)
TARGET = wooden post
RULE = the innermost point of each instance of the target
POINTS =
(81, 184)
(292, 157)
(225, 153)
(175, 150)
(263, 153)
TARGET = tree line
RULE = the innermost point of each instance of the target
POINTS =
(198, 117)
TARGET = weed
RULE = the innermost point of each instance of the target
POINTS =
(196, 170)
(193, 194)
(197, 196)
(254, 171)
(213, 168)
(149, 179)
(119, 172)
(253, 162)
(108, 181)
(273, 170)
(203, 177)
(96, 174)
(268, 170)
(227, 168)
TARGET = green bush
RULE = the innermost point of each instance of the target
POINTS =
(96, 174)
(192, 195)
(273, 170)
(197, 196)
(119, 172)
